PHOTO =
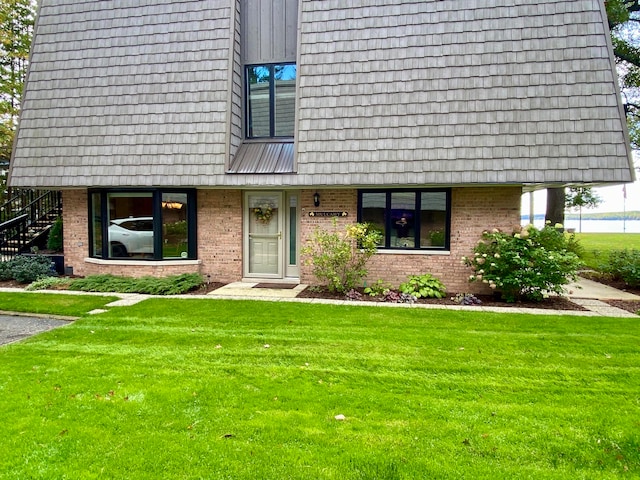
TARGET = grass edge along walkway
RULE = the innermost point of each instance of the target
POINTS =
(127, 299)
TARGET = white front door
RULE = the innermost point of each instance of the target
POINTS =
(264, 222)
(271, 238)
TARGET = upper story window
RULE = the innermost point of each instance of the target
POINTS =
(408, 219)
(271, 98)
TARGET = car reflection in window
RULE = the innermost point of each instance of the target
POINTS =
(131, 236)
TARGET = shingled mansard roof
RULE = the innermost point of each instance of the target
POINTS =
(404, 92)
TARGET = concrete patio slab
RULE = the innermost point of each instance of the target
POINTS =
(248, 290)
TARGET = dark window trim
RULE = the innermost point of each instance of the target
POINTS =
(157, 222)
(272, 100)
(388, 226)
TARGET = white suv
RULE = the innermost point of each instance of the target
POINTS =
(131, 236)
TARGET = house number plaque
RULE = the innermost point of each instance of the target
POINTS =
(328, 214)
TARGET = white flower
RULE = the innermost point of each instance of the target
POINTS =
(558, 226)
(496, 255)
(516, 235)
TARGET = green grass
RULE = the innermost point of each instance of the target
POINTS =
(186, 388)
(598, 245)
(52, 304)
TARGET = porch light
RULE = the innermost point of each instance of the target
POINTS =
(316, 199)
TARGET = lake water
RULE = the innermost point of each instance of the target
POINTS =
(596, 226)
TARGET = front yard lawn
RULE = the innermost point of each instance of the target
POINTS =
(191, 388)
(52, 304)
(597, 246)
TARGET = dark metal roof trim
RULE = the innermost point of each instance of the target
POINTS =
(268, 157)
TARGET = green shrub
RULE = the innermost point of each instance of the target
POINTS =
(5, 271)
(625, 265)
(377, 289)
(424, 286)
(339, 258)
(527, 264)
(26, 269)
(172, 285)
(44, 283)
(54, 241)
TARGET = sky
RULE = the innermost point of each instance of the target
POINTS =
(612, 199)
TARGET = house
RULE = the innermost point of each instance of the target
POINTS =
(214, 137)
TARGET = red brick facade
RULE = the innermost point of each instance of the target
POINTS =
(220, 236)
(473, 210)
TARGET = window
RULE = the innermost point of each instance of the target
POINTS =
(408, 219)
(271, 97)
(149, 224)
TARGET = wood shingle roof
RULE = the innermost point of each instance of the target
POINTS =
(404, 92)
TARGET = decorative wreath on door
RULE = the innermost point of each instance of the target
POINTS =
(263, 213)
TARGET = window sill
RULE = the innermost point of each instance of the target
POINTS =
(146, 263)
(401, 251)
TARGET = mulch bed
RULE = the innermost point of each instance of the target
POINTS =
(552, 303)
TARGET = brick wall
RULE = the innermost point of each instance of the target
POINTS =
(330, 201)
(220, 236)
(473, 211)
(75, 228)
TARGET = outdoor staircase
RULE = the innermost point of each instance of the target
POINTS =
(25, 220)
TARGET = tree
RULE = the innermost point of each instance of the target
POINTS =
(555, 206)
(17, 18)
(579, 197)
(624, 19)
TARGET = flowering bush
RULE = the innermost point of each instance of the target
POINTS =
(527, 264)
(339, 258)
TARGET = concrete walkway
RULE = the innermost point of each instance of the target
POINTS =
(586, 293)
(590, 295)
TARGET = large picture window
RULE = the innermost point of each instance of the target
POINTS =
(142, 224)
(271, 97)
(408, 219)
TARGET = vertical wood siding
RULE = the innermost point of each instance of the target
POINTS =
(269, 31)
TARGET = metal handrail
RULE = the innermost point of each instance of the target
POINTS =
(13, 236)
(22, 211)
